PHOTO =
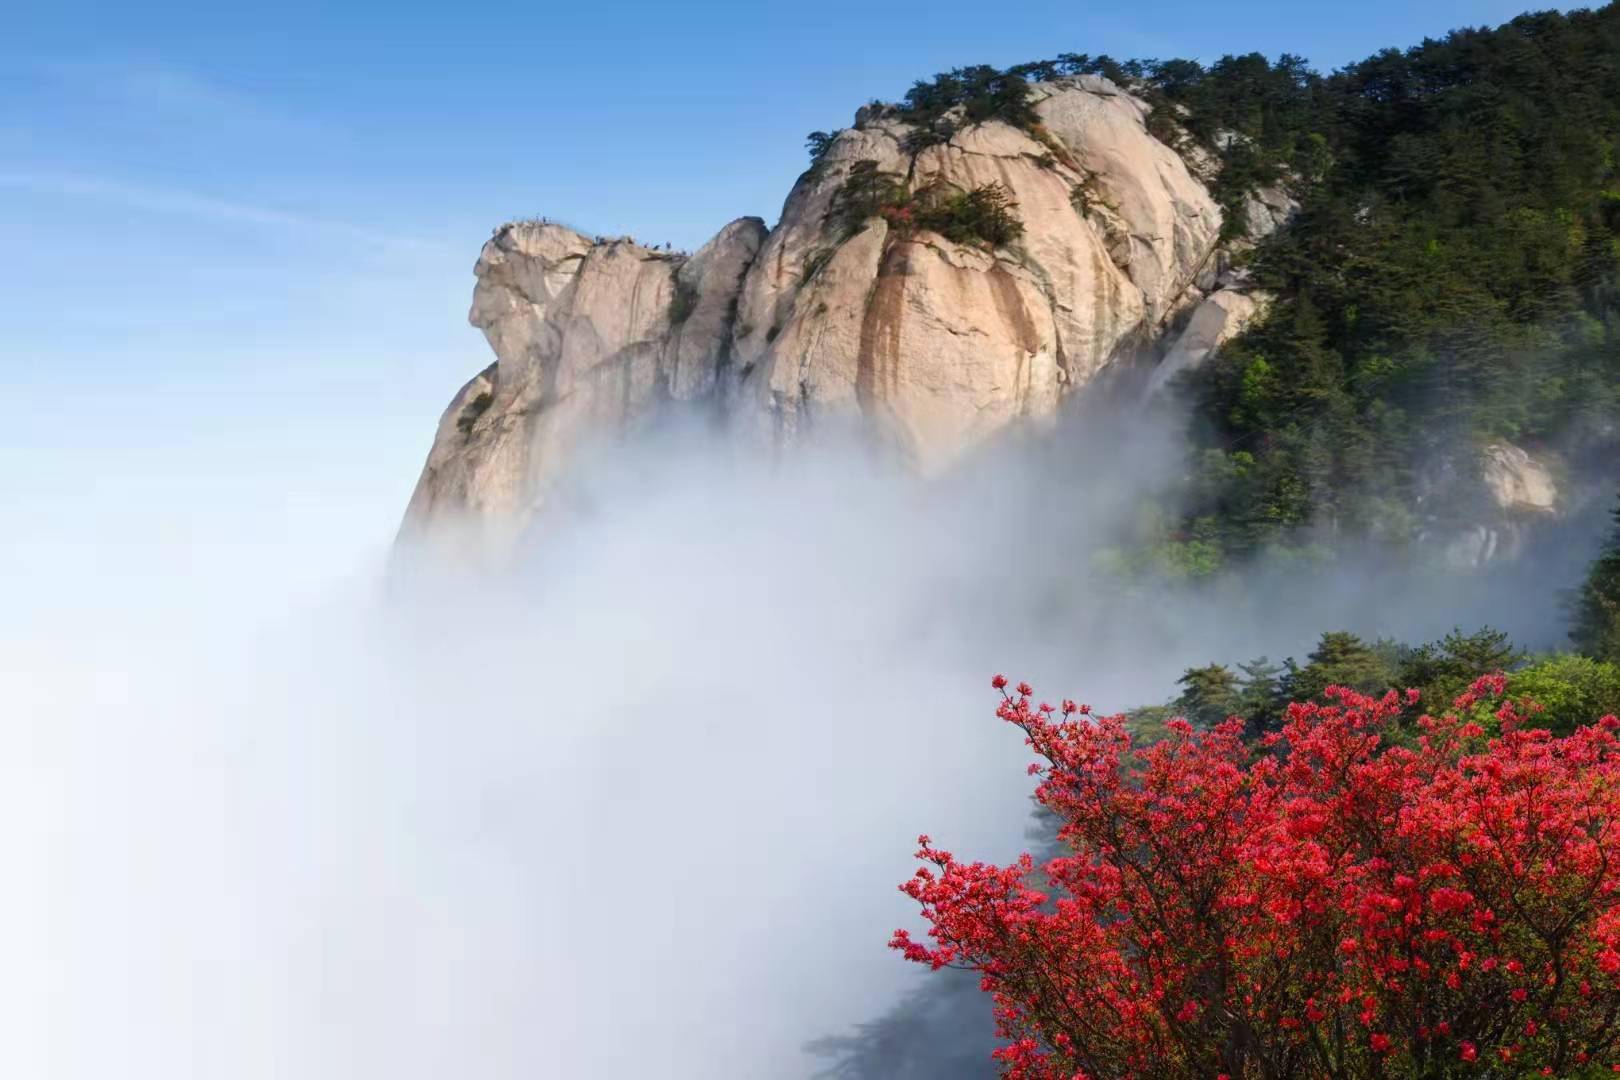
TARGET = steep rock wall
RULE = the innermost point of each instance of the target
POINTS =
(926, 346)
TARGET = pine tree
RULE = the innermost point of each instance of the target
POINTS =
(1597, 605)
(1341, 659)
(1209, 695)
(1262, 698)
(1445, 668)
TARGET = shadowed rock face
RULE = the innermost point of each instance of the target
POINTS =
(930, 348)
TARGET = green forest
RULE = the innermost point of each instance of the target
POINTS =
(1452, 277)
(1569, 688)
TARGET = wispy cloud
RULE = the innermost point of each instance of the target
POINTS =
(200, 207)
(157, 89)
(147, 109)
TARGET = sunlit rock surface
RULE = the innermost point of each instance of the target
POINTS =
(1518, 481)
(926, 347)
(1519, 489)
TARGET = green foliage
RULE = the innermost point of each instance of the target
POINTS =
(1262, 695)
(1453, 277)
(1208, 695)
(1253, 116)
(928, 133)
(979, 93)
(1185, 560)
(1572, 690)
(985, 215)
(816, 260)
(817, 142)
(1162, 549)
(865, 192)
(1443, 669)
(1596, 630)
(1081, 198)
(1148, 723)
(1257, 117)
(1343, 659)
(1085, 197)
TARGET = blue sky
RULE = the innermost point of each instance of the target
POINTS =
(237, 237)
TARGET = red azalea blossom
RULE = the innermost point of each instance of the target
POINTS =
(1334, 905)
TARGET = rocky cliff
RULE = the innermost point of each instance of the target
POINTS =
(838, 320)
(590, 339)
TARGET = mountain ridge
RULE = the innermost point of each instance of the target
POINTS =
(1370, 289)
(882, 317)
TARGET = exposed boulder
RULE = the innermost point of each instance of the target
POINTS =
(521, 271)
(1266, 210)
(1217, 319)
(1515, 490)
(1518, 482)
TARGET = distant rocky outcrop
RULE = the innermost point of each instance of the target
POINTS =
(928, 346)
(1218, 318)
(1518, 482)
(1519, 490)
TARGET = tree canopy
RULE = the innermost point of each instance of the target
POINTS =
(1452, 276)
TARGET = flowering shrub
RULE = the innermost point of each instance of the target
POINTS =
(1323, 904)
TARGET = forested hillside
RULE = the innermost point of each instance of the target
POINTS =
(1452, 277)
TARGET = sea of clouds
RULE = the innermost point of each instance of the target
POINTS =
(635, 803)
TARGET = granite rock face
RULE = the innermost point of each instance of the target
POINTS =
(1218, 318)
(924, 346)
(591, 339)
(1518, 482)
(1518, 491)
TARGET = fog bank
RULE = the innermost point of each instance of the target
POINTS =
(636, 805)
